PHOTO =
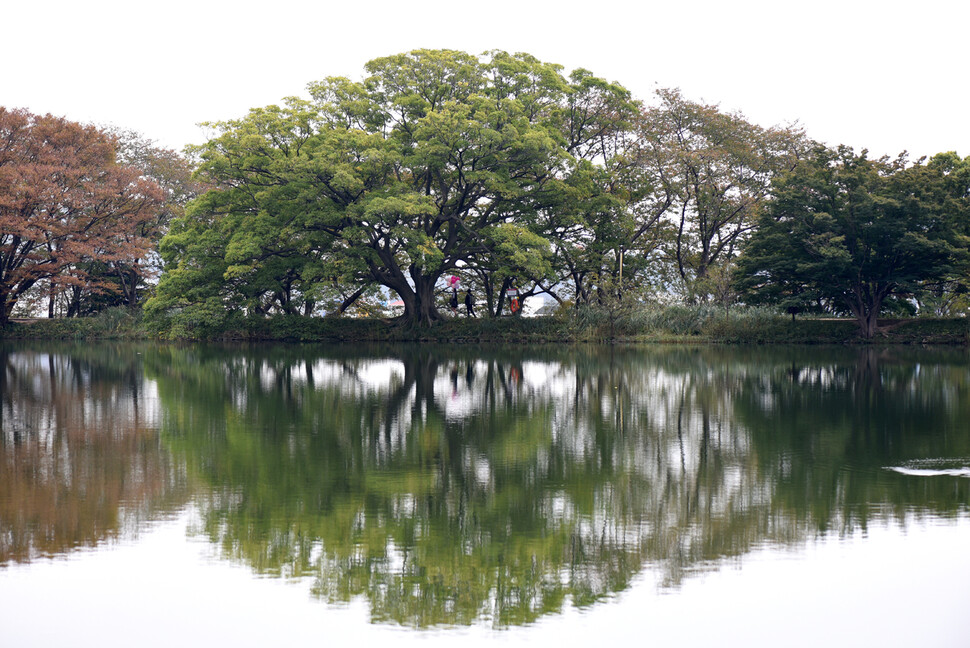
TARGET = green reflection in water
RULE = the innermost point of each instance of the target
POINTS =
(452, 485)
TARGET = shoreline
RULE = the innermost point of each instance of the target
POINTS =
(537, 330)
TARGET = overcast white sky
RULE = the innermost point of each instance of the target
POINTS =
(884, 75)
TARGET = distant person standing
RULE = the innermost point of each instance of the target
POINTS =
(470, 303)
(453, 302)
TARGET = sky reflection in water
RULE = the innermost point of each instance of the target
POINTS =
(580, 493)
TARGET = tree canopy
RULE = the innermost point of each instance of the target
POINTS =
(499, 169)
(66, 205)
(717, 170)
(848, 233)
(436, 161)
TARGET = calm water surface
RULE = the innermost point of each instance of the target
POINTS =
(205, 495)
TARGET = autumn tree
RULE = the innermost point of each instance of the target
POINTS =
(716, 169)
(65, 202)
(173, 173)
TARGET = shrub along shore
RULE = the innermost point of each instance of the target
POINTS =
(672, 324)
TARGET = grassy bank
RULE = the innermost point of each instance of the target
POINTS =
(678, 324)
(112, 324)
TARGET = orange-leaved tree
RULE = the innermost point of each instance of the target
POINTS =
(65, 203)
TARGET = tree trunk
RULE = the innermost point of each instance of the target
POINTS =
(420, 308)
(865, 304)
(74, 306)
(868, 324)
(6, 307)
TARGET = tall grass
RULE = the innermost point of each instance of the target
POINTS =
(679, 322)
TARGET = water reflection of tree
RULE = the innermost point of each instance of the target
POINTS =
(80, 461)
(828, 430)
(466, 485)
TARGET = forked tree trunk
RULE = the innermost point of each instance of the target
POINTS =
(420, 308)
(865, 306)
(868, 324)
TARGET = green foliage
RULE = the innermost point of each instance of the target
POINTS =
(852, 234)
(679, 322)
(200, 321)
(387, 493)
(437, 162)
(702, 323)
(112, 323)
(676, 319)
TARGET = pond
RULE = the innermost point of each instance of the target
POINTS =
(155, 495)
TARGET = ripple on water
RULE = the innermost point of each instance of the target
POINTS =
(951, 467)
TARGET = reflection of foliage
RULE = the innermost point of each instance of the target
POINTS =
(435, 520)
(79, 456)
(447, 486)
(828, 430)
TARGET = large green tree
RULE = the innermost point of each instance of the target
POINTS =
(607, 203)
(246, 244)
(946, 181)
(852, 233)
(437, 161)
